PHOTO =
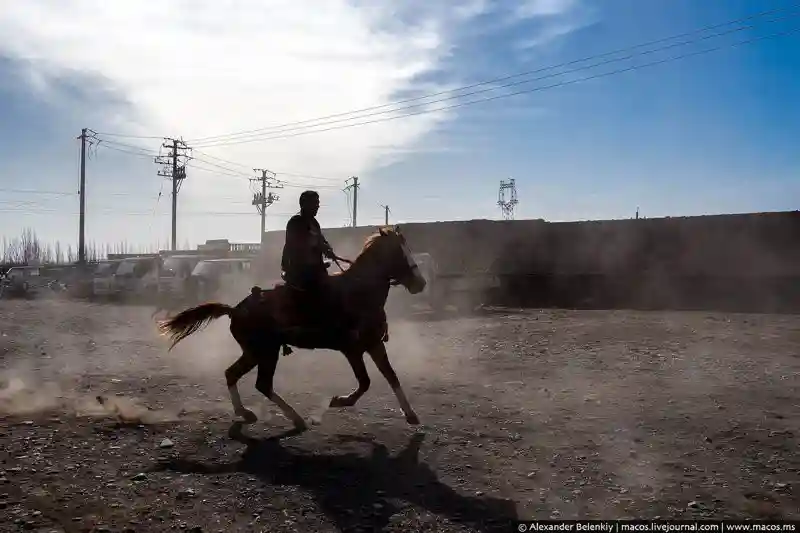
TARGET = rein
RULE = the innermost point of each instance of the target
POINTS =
(343, 260)
(336, 259)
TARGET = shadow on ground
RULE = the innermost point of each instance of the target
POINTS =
(355, 492)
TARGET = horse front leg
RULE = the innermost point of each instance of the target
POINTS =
(264, 383)
(233, 374)
(356, 360)
(381, 360)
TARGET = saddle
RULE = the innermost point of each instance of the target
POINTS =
(316, 310)
(320, 312)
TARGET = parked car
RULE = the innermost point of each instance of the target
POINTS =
(212, 276)
(103, 278)
(22, 281)
(175, 274)
(136, 278)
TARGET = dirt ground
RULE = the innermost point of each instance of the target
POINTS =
(535, 414)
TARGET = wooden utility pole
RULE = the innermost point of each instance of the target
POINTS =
(385, 215)
(82, 215)
(174, 194)
(263, 200)
(86, 137)
(177, 173)
(354, 186)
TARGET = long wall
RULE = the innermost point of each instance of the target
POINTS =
(748, 262)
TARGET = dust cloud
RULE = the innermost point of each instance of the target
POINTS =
(63, 355)
(19, 397)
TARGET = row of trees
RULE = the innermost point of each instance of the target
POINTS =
(29, 249)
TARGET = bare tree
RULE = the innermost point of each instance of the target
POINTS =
(58, 253)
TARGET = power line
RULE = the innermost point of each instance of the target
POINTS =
(274, 172)
(128, 136)
(132, 147)
(47, 192)
(61, 212)
(138, 154)
(220, 169)
(306, 176)
(225, 171)
(220, 140)
(517, 93)
(217, 171)
(38, 191)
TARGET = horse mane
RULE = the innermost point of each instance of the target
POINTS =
(370, 241)
(375, 236)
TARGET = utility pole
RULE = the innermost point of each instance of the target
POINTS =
(82, 222)
(355, 187)
(177, 173)
(263, 200)
(385, 215)
(84, 136)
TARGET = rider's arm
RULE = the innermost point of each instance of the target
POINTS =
(327, 249)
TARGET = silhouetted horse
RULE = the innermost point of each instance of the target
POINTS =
(267, 319)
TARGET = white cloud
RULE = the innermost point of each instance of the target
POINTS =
(199, 69)
(555, 18)
(550, 33)
(542, 8)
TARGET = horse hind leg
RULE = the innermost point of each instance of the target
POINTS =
(233, 374)
(381, 360)
(266, 374)
(356, 360)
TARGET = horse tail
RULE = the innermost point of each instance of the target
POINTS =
(190, 320)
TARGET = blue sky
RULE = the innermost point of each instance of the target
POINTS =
(714, 133)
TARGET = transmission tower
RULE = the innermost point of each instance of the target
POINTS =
(174, 167)
(507, 198)
(262, 200)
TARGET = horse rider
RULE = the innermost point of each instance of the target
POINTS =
(305, 247)
(304, 252)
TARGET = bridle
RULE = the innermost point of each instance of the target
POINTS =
(392, 281)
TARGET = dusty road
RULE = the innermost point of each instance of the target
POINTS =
(540, 414)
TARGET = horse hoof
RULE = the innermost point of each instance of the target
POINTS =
(248, 416)
(412, 419)
(340, 401)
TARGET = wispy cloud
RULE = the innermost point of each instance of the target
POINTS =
(549, 33)
(550, 20)
(198, 69)
(526, 9)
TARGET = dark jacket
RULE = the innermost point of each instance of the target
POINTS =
(305, 247)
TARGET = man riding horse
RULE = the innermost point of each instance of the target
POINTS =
(304, 269)
(305, 247)
(303, 264)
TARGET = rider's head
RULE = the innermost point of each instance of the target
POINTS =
(309, 203)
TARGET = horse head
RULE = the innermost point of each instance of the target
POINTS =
(387, 251)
